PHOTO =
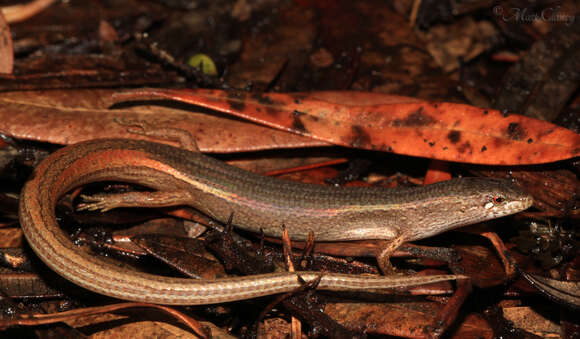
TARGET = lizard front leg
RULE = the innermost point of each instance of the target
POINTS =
(384, 255)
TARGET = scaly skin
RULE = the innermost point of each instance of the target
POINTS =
(258, 204)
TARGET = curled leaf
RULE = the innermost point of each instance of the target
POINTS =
(563, 292)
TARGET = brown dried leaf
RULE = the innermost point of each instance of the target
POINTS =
(17, 13)
(545, 79)
(145, 329)
(10, 237)
(564, 292)
(6, 52)
(531, 321)
(67, 117)
(473, 327)
(481, 264)
(406, 319)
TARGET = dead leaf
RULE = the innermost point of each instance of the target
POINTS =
(6, 52)
(443, 131)
(183, 254)
(531, 321)
(142, 329)
(81, 71)
(11, 237)
(541, 84)
(67, 117)
(473, 258)
(464, 40)
(406, 319)
(17, 13)
(473, 327)
(564, 292)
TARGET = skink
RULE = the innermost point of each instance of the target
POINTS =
(258, 204)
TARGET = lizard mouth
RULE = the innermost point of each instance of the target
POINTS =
(518, 205)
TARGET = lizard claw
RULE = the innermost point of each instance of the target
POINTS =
(97, 202)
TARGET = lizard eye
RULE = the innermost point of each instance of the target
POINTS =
(494, 201)
(498, 199)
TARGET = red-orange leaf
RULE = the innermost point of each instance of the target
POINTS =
(445, 131)
(71, 116)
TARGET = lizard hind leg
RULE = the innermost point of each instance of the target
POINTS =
(384, 255)
(106, 202)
